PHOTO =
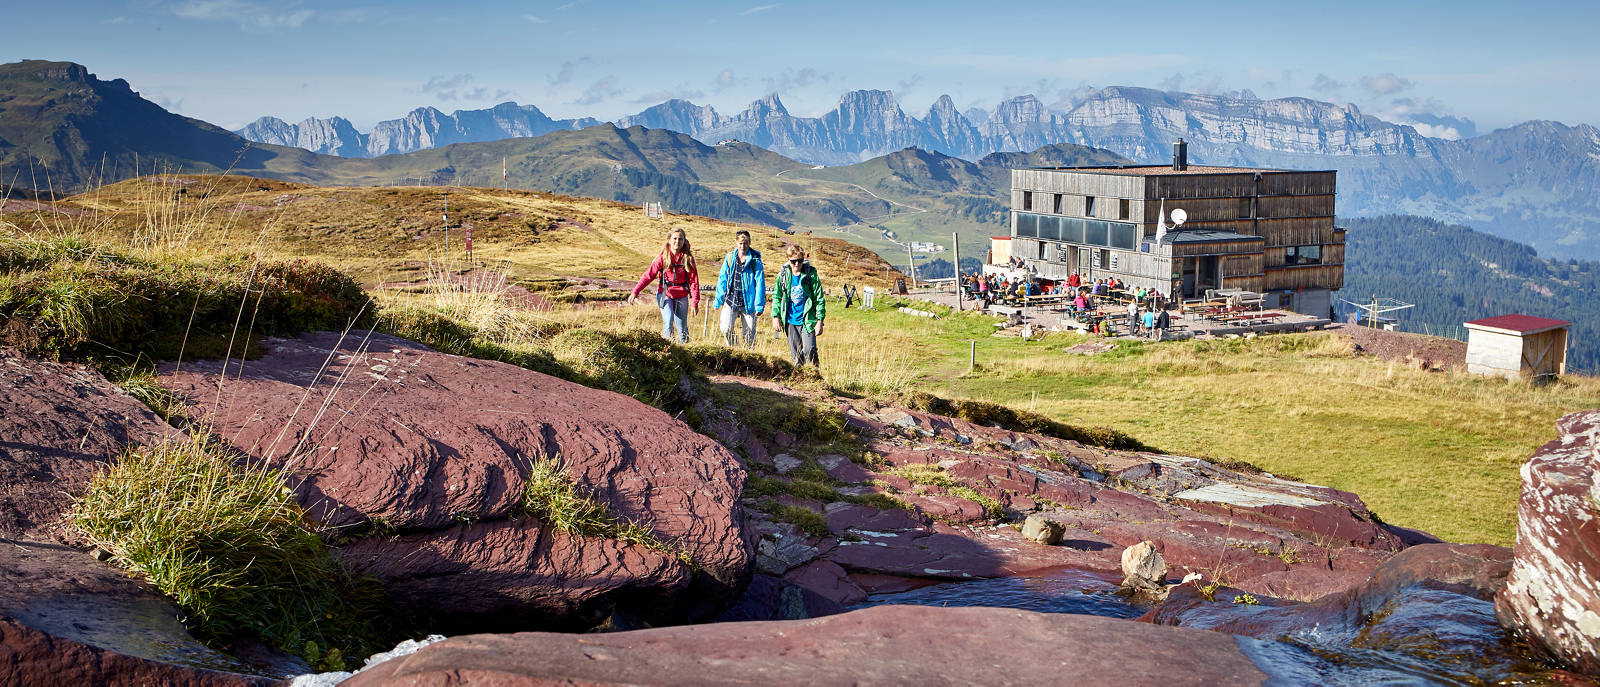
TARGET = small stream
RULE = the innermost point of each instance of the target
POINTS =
(1421, 635)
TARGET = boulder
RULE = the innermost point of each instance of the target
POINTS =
(58, 424)
(1553, 592)
(1040, 528)
(1143, 567)
(422, 459)
(886, 645)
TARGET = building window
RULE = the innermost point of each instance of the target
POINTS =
(1244, 208)
(1303, 255)
(1027, 200)
(1122, 209)
(1042, 246)
(1088, 206)
(1058, 204)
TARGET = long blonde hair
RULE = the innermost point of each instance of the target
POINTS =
(687, 252)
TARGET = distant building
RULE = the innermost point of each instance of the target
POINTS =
(1263, 230)
(1516, 345)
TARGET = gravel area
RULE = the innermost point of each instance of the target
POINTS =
(1438, 352)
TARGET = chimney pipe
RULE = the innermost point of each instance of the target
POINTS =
(1180, 156)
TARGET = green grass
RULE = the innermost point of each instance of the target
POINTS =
(230, 546)
(68, 299)
(552, 498)
(935, 476)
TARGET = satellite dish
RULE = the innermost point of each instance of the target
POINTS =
(1179, 216)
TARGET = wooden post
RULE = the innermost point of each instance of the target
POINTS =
(955, 245)
(972, 355)
(911, 263)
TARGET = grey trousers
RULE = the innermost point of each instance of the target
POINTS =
(802, 344)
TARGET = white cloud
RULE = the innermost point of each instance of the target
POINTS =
(725, 80)
(1386, 83)
(534, 18)
(791, 79)
(599, 91)
(1324, 83)
(443, 83)
(247, 14)
(569, 69)
(1072, 67)
(758, 8)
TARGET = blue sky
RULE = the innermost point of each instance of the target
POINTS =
(230, 61)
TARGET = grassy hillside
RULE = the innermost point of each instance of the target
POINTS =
(386, 233)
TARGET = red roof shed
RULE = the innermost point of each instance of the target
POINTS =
(1515, 345)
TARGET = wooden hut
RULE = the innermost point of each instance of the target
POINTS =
(1516, 345)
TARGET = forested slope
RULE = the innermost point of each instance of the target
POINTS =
(1454, 274)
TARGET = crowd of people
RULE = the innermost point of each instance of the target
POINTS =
(798, 306)
(1146, 308)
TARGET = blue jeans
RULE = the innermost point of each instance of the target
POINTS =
(674, 313)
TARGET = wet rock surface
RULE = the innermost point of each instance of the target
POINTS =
(1425, 615)
(423, 457)
(58, 423)
(1553, 592)
(886, 645)
(67, 619)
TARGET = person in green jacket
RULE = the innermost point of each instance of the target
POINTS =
(799, 307)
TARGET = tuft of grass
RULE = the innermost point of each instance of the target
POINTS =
(988, 413)
(933, 475)
(638, 363)
(233, 549)
(140, 382)
(809, 521)
(552, 498)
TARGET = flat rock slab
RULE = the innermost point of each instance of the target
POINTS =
(67, 619)
(884, 645)
(434, 450)
(58, 423)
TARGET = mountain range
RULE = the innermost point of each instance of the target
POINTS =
(1536, 182)
(423, 128)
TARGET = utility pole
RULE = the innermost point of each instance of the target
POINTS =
(911, 260)
(955, 245)
(447, 228)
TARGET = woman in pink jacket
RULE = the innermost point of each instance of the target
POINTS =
(678, 285)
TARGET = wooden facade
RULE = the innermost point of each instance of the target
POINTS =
(1291, 212)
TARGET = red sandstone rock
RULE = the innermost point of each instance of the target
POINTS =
(1553, 592)
(888, 645)
(58, 423)
(66, 619)
(382, 430)
(1261, 533)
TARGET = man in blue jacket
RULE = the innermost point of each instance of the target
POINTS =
(741, 291)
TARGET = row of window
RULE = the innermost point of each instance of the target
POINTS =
(1087, 259)
(1112, 208)
(1090, 232)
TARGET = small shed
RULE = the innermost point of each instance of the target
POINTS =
(1515, 345)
